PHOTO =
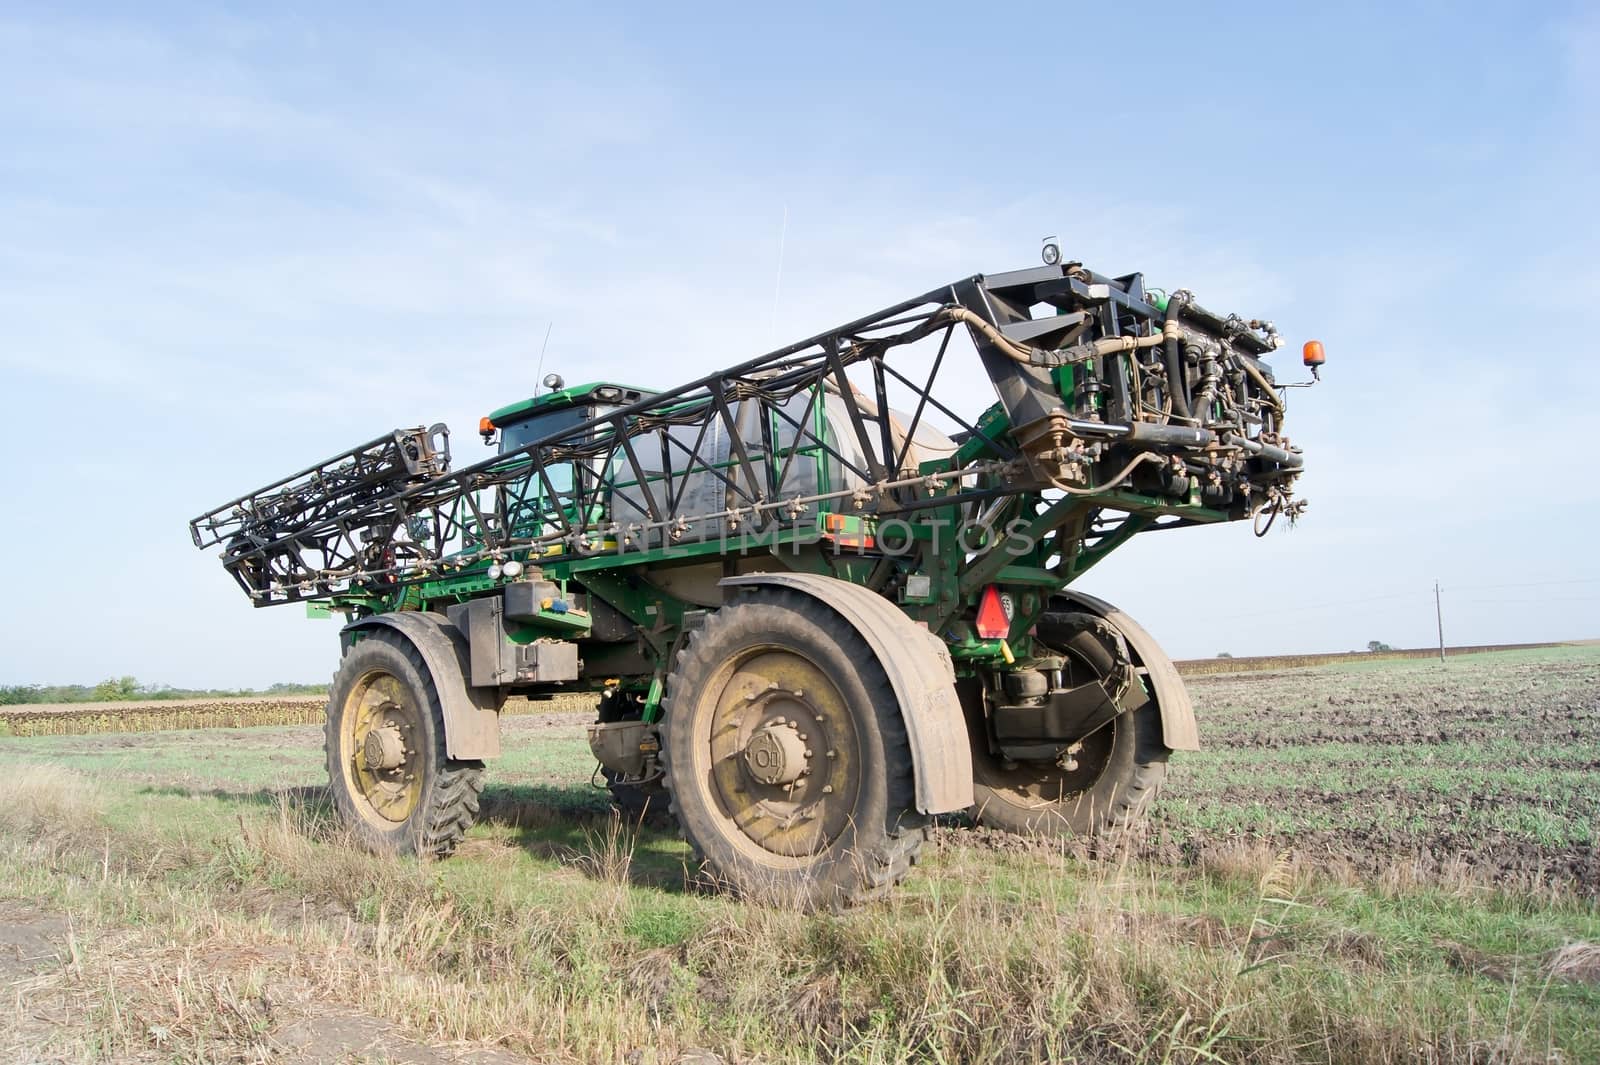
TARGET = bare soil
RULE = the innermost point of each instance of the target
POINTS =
(1485, 768)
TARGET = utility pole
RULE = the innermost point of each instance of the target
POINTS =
(1438, 613)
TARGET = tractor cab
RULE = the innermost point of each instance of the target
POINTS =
(559, 496)
(520, 424)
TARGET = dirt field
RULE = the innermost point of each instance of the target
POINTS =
(1489, 766)
(1379, 861)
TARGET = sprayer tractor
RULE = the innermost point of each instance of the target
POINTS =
(819, 597)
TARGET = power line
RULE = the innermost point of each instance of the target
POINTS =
(1545, 599)
(1305, 607)
(1318, 606)
(1523, 584)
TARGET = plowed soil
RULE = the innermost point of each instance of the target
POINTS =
(1487, 766)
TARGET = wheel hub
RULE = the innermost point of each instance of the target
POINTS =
(776, 754)
(782, 750)
(384, 748)
(380, 733)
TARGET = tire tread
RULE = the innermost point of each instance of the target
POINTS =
(453, 803)
(884, 861)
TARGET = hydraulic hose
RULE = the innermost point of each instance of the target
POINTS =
(1127, 471)
(1174, 356)
(1261, 379)
(1020, 352)
(1208, 385)
(1031, 356)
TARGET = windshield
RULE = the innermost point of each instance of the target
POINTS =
(518, 435)
(533, 514)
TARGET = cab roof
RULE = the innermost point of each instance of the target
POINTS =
(577, 395)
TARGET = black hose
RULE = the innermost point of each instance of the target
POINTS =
(1174, 354)
(1208, 383)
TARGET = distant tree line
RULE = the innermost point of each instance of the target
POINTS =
(128, 689)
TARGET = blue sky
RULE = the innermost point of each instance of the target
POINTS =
(232, 243)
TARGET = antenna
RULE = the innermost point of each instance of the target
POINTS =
(542, 348)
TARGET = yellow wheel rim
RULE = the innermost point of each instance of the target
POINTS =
(380, 740)
(779, 751)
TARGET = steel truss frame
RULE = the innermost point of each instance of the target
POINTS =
(390, 513)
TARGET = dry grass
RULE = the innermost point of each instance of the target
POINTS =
(1577, 961)
(237, 936)
(38, 799)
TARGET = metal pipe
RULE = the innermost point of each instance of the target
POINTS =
(1283, 457)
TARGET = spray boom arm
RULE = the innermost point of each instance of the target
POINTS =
(1127, 400)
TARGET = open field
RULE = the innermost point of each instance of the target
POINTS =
(1374, 861)
(1489, 766)
(1194, 667)
(141, 715)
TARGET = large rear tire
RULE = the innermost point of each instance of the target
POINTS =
(1118, 771)
(393, 783)
(786, 757)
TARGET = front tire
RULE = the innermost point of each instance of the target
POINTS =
(786, 757)
(393, 784)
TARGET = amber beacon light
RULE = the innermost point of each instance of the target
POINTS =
(1314, 356)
